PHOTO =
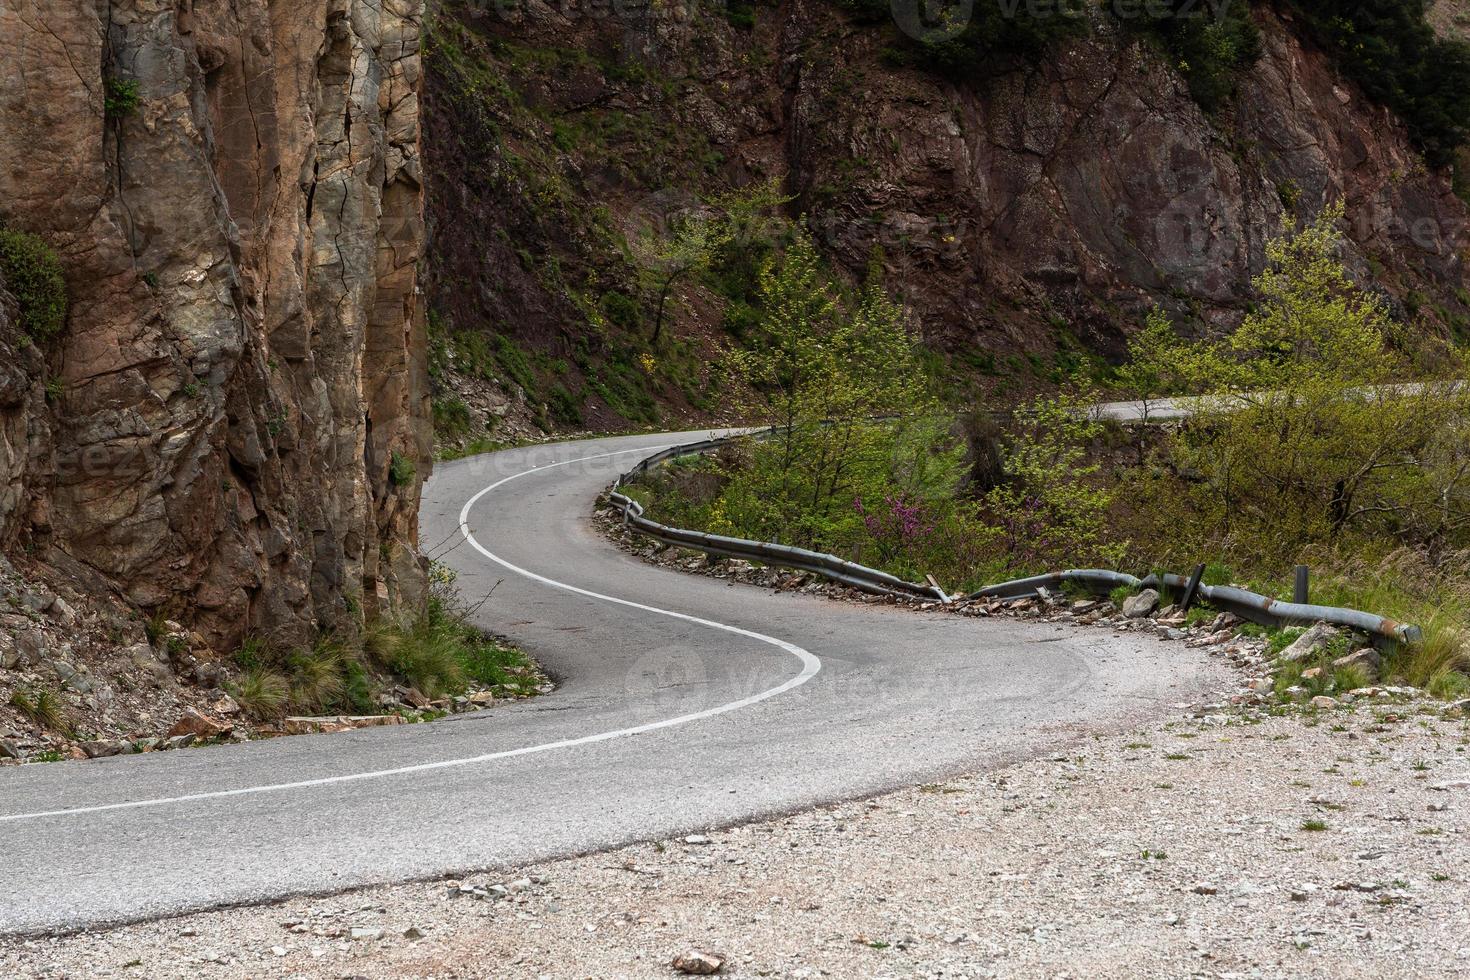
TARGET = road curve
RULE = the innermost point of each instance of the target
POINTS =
(683, 703)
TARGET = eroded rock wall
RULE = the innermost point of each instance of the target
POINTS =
(237, 421)
(1042, 206)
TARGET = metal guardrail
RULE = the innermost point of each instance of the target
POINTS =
(857, 576)
(1249, 606)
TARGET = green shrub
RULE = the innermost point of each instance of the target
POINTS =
(123, 97)
(452, 417)
(261, 692)
(33, 276)
(401, 470)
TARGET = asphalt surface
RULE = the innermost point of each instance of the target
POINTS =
(742, 704)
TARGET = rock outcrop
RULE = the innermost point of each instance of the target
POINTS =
(1026, 217)
(233, 425)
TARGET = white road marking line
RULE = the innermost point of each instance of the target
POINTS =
(810, 666)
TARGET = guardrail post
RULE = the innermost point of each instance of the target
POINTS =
(1191, 591)
(1301, 590)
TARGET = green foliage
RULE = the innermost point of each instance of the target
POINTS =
(820, 369)
(32, 274)
(401, 470)
(452, 417)
(1053, 508)
(1156, 365)
(122, 98)
(41, 706)
(262, 692)
(1391, 50)
(1303, 435)
(439, 653)
(1209, 45)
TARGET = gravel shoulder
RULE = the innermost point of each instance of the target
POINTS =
(1184, 848)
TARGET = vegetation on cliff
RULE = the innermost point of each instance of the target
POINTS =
(31, 272)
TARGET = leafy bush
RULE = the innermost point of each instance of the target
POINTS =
(122, 98)
(401, 470)
(33, 275)
(1303, 436)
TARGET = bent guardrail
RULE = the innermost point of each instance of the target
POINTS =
(848, 573)
(1249, 606)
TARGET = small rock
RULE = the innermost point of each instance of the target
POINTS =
(697, 839)
(1203, 888)
(1310, 643)
(1323, 702)
(104, 749)
(366, 933)
(1462, 782)
(196, 723)
(1367, 660)
(1141, 606)
(698, 964)
(412, 933)
(226, 707)
(9, 750)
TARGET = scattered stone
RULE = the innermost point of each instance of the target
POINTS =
(1204, 888)
(366, 933)
(1141, 606)
(104, 749)
(1462, 782)
(226, 707)
(9, 750)
(697, 839)
(1367, 660)
(198, 724)
(1324, 703)
(699, 964)
(1310, 643)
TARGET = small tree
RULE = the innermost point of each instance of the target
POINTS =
(668, 260)
(822, 371)
(1156, 366)
(1307, 432)
(1053, 508)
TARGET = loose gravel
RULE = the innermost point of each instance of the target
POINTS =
(1310, 844)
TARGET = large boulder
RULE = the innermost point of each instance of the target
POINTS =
(1141, 606)
(1311, 643)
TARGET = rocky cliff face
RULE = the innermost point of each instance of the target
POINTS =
(233, 424)
(1043, 207)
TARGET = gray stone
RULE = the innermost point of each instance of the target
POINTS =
(1367, 660)
(1310, 644)
(104, 748)
(37, 601)
(1141, 606)
(32, 646)
(8, 749)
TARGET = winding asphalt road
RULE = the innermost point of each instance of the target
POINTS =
(683, 703)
